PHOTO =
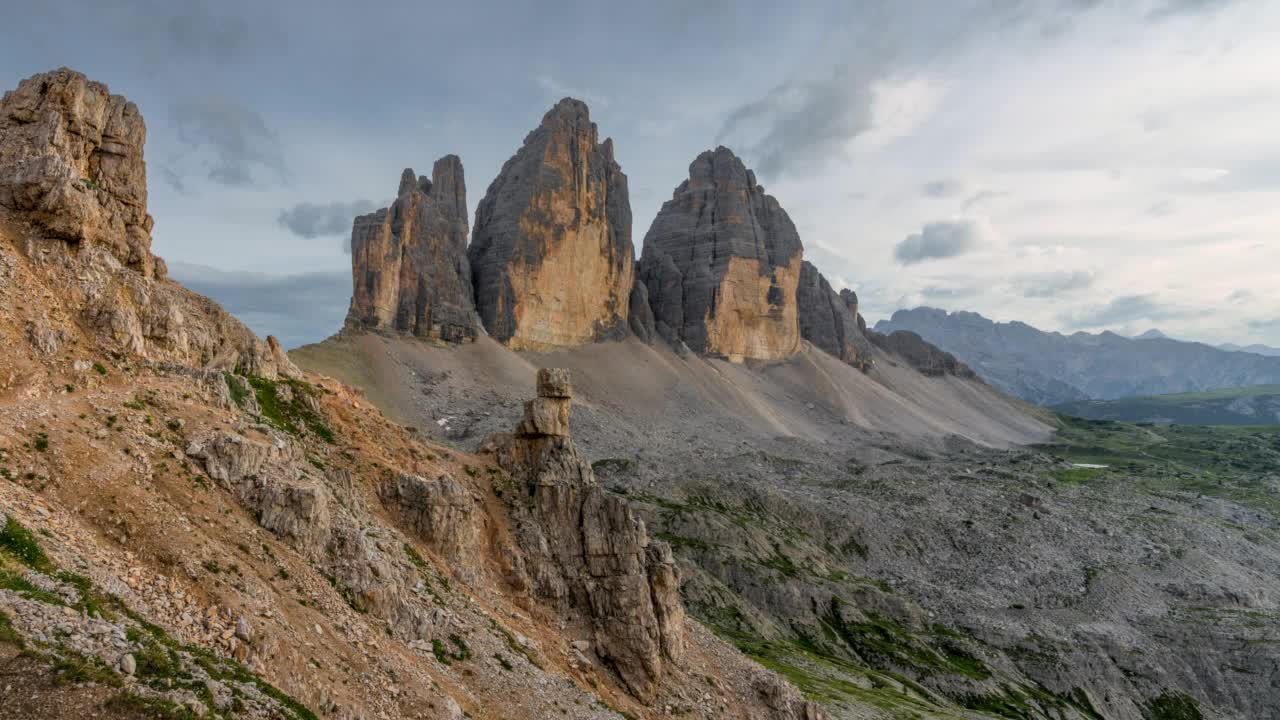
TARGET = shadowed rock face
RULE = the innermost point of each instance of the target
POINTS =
(409, 265)
(829, 321)
(585, 550)
(922, 355)
(551, 258)
(721, 264)
(71, 162)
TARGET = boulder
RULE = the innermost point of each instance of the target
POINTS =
(409, 267)
(551, 257)
(721, 264)
(827, 321)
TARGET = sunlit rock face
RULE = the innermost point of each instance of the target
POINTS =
(721, 264)
(552, 259)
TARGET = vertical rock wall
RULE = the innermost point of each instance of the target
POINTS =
(551, 258)
(409, 264)
(828, 321)
(721, 263)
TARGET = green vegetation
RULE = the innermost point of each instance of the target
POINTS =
(1229, 462)
(236, 389)
(437, 649)
(289, 410)
(1172, 706)
(1215, 407)
(17, 541)
(99, 368)
(163, 664)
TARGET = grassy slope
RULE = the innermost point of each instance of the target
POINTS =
(1212, 407)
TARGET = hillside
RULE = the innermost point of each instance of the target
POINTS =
(1047, 368)
(191, 526)
(1258, 405)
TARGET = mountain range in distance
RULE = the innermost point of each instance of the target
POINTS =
(1259, 405)
(1050, 368)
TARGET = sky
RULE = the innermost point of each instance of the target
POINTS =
(1074, 164)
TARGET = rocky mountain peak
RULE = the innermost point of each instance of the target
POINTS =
(71, 162)
(721, 264)
(409, 265)
(551, 257)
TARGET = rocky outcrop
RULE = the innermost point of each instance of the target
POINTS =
(443, 513)
(641, 314)
(585, 551)
(850, 300)
(409, 267)
(920, 354)
(551, 257)
(721, 264)
(71, 162)
(73, 206)
(827, 321)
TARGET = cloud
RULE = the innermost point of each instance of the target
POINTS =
(943, 292)
(982, 197)
(1047, 285)
(1241, 296)
(234, 139)
(297, 309)
(942, 188)
(311, 221)
(799, 123)
(194, 31)
(1123, 310)
(1170, 8)
(944, 239)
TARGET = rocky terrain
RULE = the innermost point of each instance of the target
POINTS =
(191, 526)
(1048, 368)
(409, 266)
(552, 258)
(1259, 405)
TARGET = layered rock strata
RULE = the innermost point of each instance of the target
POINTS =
(585, 551)
(830, 322)
(721, 264)
(409, 267)
(71, 162)
(920, 354)
(73, 195)
(551, 258)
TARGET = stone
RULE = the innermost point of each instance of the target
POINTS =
(922, 355)
(827, 321)
(128, 665)
(71, 161)
(551, 257)
(409, 268)
(443, 513)
(640, 313)
(243, 631)
(586, 552)
(721, 264)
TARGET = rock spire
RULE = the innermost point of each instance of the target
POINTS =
(551, 257)
(721, 264)
(409, 264)
(829, 320)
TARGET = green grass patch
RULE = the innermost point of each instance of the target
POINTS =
(18, 542)
(1172, 706)
(289, 411)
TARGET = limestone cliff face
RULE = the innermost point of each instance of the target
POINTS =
(828, 321)
(551, 258)
(71, 162)
(73, 196)
(585, 551)
(721, 264)
(409, 265)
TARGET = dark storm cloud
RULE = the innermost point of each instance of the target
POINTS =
(297, 309)
(232, 141)
(1123, 310)
(1047, 285)
(310, 220)
(939, 240)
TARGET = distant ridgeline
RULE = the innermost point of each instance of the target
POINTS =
(1049, 368)
(1259, 405)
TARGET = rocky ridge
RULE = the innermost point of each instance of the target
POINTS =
(551, 255)
(269, 545)
(409, 262)
(721, 264)
(830, 320)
